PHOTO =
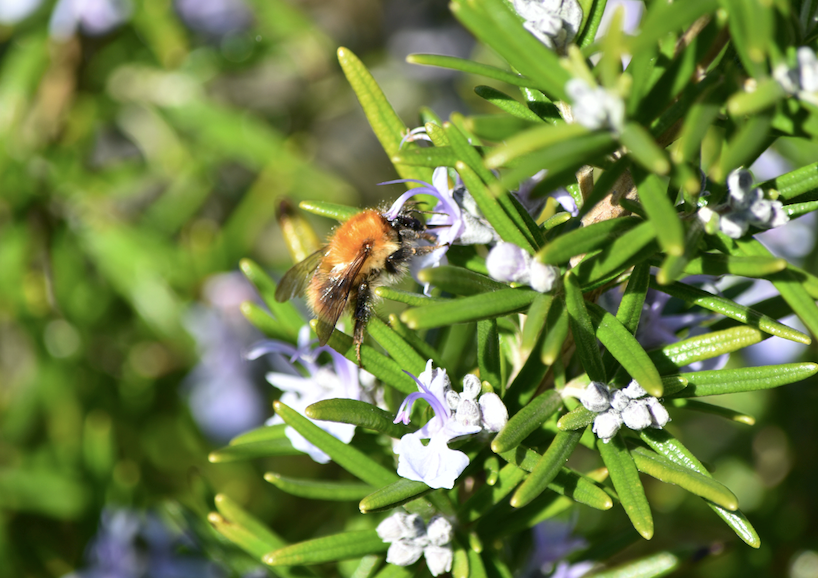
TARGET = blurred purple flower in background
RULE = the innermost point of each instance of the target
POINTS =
(215, 17)
(92, 17)
(553, 541)
(131, 544)
(13, 11)
(222, 392)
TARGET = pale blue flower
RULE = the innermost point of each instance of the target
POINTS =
(434, 464)
(553, 542)
(338, 380)
(555, 23)
(93, 17)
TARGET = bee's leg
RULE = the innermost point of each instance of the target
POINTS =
(361, 315)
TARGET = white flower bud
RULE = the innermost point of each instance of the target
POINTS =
(400, 526)
(634, 390)
(761, 212)
(808, 68)
(619, 401)
(658, 413)
(709, 218)
(508, 263)
(452, 399)
(734, 225)
(596, 397)
(471, 386)
(606, 425)
(438, 559)
(636, 416)
(542, 276)
(439, 531)
(779, 216)
(495, 414)
(739, 182)
(404, 553)
(468, 413)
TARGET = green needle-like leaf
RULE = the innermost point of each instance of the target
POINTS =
(385, 122)
(260, 434)
(535, 322)
(556, 332)
(408, 297)
(351, 459)
(579, 417)
(662, 213)
(525, 421)
(317, 490)
(329, 210)
(253, 449)
(266, 323)
(469, 66)
(583, 330)
(396, 346)
(671, 357)
(375, 362)
(506, 103)
(328, 549)
(629, 249)
(730, 309)
(358, 413)
(654, 566)
(585, 239)
(718, 382)
(547, 468)
(663, 469)
(764, 95)
(633, 299)
(458, 281)
(431, 157)
(625, 349)
(644, 149)
(286, 315)
(391, 496)
(531, 140)
(488, 354)
(745, 145)
(474, 308)
(487, 496)
(795, 183)
(719, 264)
(711, 409)
(625, 478)
(244, 530)
(664, 444)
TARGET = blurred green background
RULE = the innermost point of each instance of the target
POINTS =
(145, 146)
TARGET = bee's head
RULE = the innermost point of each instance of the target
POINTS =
(406, 221)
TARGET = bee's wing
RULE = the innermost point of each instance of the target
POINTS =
(334, 297)
(295, 280)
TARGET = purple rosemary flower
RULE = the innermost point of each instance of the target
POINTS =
(339, 379)
(93, 17)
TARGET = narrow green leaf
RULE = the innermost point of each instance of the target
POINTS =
(796, 210)
(260, 539)
(488, 353)
(525, 421)
(431, 157)
(592, 19)
(408, 297)
(351, 459)
(556, 220)
(496, 127)
(375, 362)
(696, 123)
(383, 119)
(391, 496)
(487, 496)
(625, 349)
(795, 183)
(664, 18)
(713, 410)
(266, 323)
(343, 546)
(396, 346)
(664, 444)
(631, 248)
(474, 308)
(260, 434)
(625, 478)
(415, 340)
(253, 450)
(285, 314)
(494, 23)
(585, 239)
(671, 357)
(765, 94)
(662, 213)
(644, 149)
(469, 66)
(720, 264)
(663, 469)
(633, 299)
(556, 332)
(330, 210)
(653, 566)
(318, 490)
(476, 567)
(583, 331)
(745, 145)
(460, 561)
(730, 309)
(547, 468)
(358, 413)
(506, 103)
(533, 139)
(673, 266)
(579, 417)
(254, 545)
(535, 322)
(718, 382)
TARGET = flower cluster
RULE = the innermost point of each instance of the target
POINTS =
(409, 538)
(630, 406)
(509, 263)
(745, 206)
(340, 379)
(456, 415)
(555, 23)
(803, 79)
(594, 107)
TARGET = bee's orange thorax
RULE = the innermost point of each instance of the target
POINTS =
(368, 228)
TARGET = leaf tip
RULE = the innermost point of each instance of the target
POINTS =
(215, 518)
(269, 559)
(213, 457)
(271, 477)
